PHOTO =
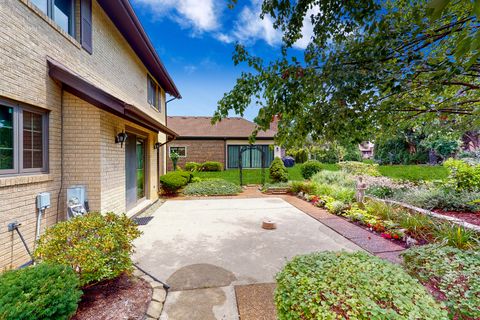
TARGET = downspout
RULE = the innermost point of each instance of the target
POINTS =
(61, 153)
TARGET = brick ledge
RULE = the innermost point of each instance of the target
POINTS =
(11, 181)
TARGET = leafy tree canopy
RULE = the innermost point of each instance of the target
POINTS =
(369, 66)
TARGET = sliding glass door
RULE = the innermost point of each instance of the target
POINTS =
(251, 158)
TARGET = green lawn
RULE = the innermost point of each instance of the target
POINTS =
(414, 172)
(405, 172)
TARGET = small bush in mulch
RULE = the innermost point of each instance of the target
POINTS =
(43, 291)
(212, 187)
(333, 285)
(96, 246)
(451, 274)
(122, 298)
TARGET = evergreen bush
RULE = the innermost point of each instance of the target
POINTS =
(278, 172)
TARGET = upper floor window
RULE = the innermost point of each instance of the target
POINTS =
(154, 94)
(60, 11)
(23, 139)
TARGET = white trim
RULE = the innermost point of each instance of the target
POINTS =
(170, 151)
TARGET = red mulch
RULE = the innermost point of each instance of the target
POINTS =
(122, 298)
(470, 217)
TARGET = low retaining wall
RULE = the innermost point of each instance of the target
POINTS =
(430, 213)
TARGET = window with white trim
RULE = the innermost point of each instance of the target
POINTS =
(181, 151)
(154, 94)
(23, 139)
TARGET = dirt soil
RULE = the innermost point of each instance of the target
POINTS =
(470, 217)
(122, 298)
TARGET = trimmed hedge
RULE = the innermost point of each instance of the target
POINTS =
(310, 167)
(212, 166)
(174, 181)
(278, 172)
(41, 292)
(193, 166)
(340, 285)
(96, 246)
(453, 272)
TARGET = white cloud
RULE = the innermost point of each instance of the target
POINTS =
(201, 15)
(249, 28)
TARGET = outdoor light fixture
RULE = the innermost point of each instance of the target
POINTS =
(157, 145)
(121, 138)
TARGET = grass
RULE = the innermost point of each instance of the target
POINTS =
(414, 172)
(404, 172)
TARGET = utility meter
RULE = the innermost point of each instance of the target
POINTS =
(43, 200)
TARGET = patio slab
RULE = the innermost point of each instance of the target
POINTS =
(205, 247)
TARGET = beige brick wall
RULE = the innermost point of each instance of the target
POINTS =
(92, 158)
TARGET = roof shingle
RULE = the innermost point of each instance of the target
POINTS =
(234, 127)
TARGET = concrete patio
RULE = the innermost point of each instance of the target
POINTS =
(203, 248)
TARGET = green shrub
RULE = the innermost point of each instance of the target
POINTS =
(173, 181)
(193, 166)
(331, 285)
(452, 272)
(463, 176)
(309, 168)
(333, 177)
(212, 187)
(196, 179)
(360, 168)
(212, 166)
(382, 192)
(278, 172)
(439, 198)
(187, 175)
(96, 246)
(41, 292)
(302, 186)
(300, 156)
(336, 206)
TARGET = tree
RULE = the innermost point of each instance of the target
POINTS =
(370, 65)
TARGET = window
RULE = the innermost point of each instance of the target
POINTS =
(181, 151)
(154, 94)
(23, 139)
(251, 157)
(60, 11)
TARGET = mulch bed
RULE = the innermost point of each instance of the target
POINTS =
(470, 217)
(123, 298)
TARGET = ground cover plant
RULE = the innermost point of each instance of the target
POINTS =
(96, 246)
(451, 274)
(340, 285)
(44, 291)
(212, 187)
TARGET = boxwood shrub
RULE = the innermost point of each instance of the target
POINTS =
(453, 273)
(193, 166)
(310, 167)
(96, 246)
(330, 285)
(278, 172)
(174, 181)
(212, 166)
(41, 292)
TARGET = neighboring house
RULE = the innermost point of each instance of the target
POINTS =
(199, 141)
(74, 76)
(366, 148)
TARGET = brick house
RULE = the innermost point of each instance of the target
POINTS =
(199, 141)
(75, 77)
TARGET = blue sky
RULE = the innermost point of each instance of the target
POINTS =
(195, 40)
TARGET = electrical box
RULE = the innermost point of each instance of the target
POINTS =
(43, 200)
(76, 195)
